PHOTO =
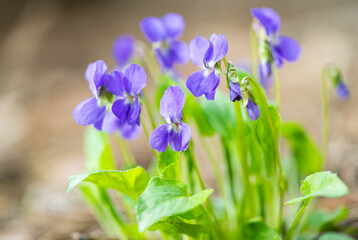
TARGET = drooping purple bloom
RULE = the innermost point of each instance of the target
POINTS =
(123, 49)
(164, 34)
(205, 54)
(175, 132)
(126, 87)
(252, 109)
(273, 47)
(92, 110)
(342, 91)
(282, 47)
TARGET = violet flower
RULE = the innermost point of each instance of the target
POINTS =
(273, 46)
(92, 110)
(252, 109)
(175, 132)
(164, 33)
(206, 54)
(123, 49)
(126, 87)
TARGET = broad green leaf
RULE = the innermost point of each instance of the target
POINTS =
(176, 225)
(260, 231)
(193, 110)
(220, 114)
(321, 184)
(165, 198)
(168, 164)
(335, 236)
(131, 182)
(264, 135)
(305, 152)
(97, 150)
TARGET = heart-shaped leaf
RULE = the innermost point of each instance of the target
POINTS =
(321, 184)
(131, 182)
(165, 198)
(335, 236)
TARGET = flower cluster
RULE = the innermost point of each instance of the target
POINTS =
(164, 33)
(273, 48)
(116, 89)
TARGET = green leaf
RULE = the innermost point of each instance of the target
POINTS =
(176, 225)
(321, 184)
(194, 110)
(165, 198)
(335, 236)
(131, 182)
(305, 152)
(260, 231)
(168, 164)
(264, 135)
(97, 150)
(220, 114)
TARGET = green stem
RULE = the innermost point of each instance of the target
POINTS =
(127, 155)
(325, 114)
(150, 62)
(277, 155)
(254, 51)
(148, 105)
(292, 229)
(113, 211)
(241, 145)
(277, 88)
(214, 164)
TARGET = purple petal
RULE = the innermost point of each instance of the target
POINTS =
(174, 24)
(219, 49)
(130, 131)
(180, 52)
(171, 104)
(159, 138)
(288, 48)
(253, 110)
(94, 75)
(198, 48)
(164, 58)
(268, 18)
(88, 112)
(235, 92)
(126, 111)
(123, 48)
(135, 79)
(98, 125)
(342, 91)
(193, 83)
(211, 95)
(210, 83)
(153, 28)
(114, 84)
(179, 140)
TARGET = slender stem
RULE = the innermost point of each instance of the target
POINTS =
(144, 127)
(127, 155)
(241, 145)
(277, 88)
(277, 155)
(113, 211)
(191, 158)
(325, 113)
(292, 229)
(149, 110)
(214, 164)
(254, 51)
(225, 62)
(150, 62)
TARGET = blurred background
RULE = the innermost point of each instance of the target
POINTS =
(45, 47)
